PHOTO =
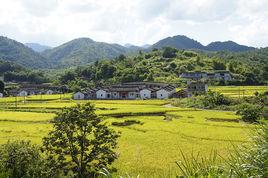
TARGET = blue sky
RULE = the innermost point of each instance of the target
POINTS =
(53, 22)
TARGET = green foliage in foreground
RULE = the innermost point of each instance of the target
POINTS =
(245, 161)
(80, 142)
(21, 159)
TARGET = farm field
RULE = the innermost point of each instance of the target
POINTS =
(239, 91)
(147, 149)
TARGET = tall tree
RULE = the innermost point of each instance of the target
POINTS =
(80, 142)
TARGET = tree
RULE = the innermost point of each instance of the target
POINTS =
(169, 52)
(2, 86)
(80, 142)
(21, 159)
(218, 65)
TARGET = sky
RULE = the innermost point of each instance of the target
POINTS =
(139, 22)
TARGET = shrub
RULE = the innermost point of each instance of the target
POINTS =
(213, 99)
(21, 159)
(250, 112)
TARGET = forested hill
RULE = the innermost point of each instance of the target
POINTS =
(183, 42)
(84, 51)
(15, 73)
(13, 51)
(249, 68)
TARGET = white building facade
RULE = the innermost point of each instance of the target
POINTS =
(79, 96)
(145, 93)
(101, 94)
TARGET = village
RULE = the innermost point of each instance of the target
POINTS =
(196, 84)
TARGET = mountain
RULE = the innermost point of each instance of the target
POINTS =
(179, 42)
(183, 42)
(83, 51)
(227, 46)
(37, 47)
(11, 50)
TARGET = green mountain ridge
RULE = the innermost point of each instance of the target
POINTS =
(83, 51)
(13, 51)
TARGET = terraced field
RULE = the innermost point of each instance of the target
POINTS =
(147, 149)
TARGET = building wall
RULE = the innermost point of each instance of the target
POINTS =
(79, 96)
(162, 94)
(115, 95)
(132, 95)
(1, 95)
(145, 94)
(23, 93)
(101, 94)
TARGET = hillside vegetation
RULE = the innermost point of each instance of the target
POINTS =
(166, 65)
(13, 72)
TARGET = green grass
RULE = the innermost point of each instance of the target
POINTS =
(148, 149)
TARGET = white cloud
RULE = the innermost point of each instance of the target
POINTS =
(53, 22)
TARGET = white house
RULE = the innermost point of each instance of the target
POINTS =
(79, 96)
(162, 94)
(23, 93)
(1, 95)
(101, 94)
(145, 93)
(49, 92)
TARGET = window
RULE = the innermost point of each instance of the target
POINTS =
(101, 95)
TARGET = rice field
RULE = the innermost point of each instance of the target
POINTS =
(239, 91)
(149, 149)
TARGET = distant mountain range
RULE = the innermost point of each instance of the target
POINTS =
(85, 50)
(37, 47)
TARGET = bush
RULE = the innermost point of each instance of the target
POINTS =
(250, 112)
(213, 99)
(21, 159)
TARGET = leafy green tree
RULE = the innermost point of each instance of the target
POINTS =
(80, 142)
(218, 65)
(21, 159)
(2, 86)
(169, 52)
